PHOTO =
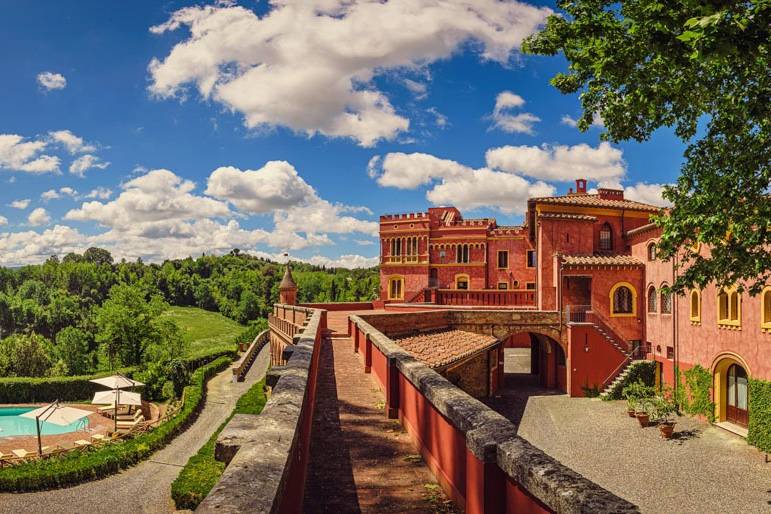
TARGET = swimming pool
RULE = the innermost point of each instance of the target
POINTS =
(12, 424)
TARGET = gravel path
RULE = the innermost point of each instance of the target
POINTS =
(705, 469)
(145, 488)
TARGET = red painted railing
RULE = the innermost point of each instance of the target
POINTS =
(486, 297)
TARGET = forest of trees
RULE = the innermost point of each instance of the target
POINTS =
(85, 312)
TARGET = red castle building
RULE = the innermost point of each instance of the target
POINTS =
(590, 258)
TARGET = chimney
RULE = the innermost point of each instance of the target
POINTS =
(610, 194)
(581, 186)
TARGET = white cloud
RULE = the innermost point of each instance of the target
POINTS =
(86, 162)
(452, 183)
(20, 204)
(100, 193)
(74, 144)
(19, 248)
(39, 216)
(420, 89)
(647, 193)
(597, 121)
(506, 120)
(3, 220)
(364, 242)
(16, 154)
(50, 80)
(53, 194)
(344, 261)
(309, 64)
(439, 118)
(560, 162)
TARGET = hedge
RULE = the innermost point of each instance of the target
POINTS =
(759, 429)
(76, 388)
(639, 371)
(202, 471)
(76, 467)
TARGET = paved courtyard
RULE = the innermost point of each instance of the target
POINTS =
(704, 470)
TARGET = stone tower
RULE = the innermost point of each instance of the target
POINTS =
(287, 291)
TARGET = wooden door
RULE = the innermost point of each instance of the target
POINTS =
(736, 396)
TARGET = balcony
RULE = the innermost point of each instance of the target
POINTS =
(486, 297)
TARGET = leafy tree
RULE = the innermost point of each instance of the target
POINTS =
(73, 349)
(701, 67)
(97, 256)
(25, 355)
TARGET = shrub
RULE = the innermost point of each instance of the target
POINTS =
(202, 470)
(76, 467)
(640, 371)
(697, 398)
(759, 430)
(638, 396)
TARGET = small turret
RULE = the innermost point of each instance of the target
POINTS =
(287, 290)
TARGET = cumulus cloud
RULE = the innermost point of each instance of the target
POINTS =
(30, 247)
(39, 216)
(3, 220)
(508, 121)
(16, 154)
(53, 194)
(100, 193)
(49, 80)
(20, 204)
(560, 162)
(647, 193)
(86, 162)
(349, 261)
(74, 144)
(310, 65)
(452, 183)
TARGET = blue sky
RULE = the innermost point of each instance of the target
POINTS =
(281, 128)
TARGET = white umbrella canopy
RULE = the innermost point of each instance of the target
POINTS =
(57, 415)
(123, 398)
(116, 382)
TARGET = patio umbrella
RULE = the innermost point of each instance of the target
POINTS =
(118, 397)
(116, 383)
(56, 414)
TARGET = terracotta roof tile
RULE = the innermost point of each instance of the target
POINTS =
(593, 200)
(640, 230)
(442, 348)
(558, 216)
(601, 260)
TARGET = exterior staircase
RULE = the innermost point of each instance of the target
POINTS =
(620, 378)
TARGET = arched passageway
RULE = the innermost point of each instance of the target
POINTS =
(532, 359)
(731, 377)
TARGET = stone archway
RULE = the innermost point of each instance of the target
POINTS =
(533, 358)
(731, 402)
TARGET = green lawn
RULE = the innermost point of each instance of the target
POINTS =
(204, 330)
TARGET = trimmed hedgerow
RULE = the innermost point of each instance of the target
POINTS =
(697, 399)
(76, 467)
(759, 430)
(48, 389)
(640, 371)
(202, 470)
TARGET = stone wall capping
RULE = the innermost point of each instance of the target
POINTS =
(554, 484)
(258, 449)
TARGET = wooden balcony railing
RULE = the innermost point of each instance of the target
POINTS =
(486, 297)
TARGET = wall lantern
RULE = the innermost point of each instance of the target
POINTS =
(586, 344)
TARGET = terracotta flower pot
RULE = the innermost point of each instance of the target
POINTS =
(666, 429)
(630, 412)
(643, 418)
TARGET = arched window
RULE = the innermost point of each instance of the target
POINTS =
(734, 304)
(652, 299)
(623, 300)
(461, 281)
(765, 308)
(695, 306)
(606, 238)
(729, 308)
(666, 301)
(722, 307)
(396, 288)
(652, 251)
(462, 254)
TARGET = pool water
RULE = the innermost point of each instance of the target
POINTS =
(12, 424)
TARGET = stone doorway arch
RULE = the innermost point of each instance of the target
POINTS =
(730, 394)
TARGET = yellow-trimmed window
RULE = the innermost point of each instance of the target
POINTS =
(396, 288)
(765, 308)
(729, 308)
(695, 306)
(461, 281)
(623, 300)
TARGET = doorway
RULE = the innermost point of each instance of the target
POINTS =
(736, 409)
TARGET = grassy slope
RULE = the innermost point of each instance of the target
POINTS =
(202, 471)
(204, 330)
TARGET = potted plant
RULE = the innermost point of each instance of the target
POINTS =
(665, 408)
(643, 411)
(634, 393)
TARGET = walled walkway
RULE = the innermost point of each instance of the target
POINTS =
(360, 460)
(146, 487)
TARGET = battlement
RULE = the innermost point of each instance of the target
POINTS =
(403, 217)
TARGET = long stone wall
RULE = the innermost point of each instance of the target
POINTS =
(474, 452)
(267, 454)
